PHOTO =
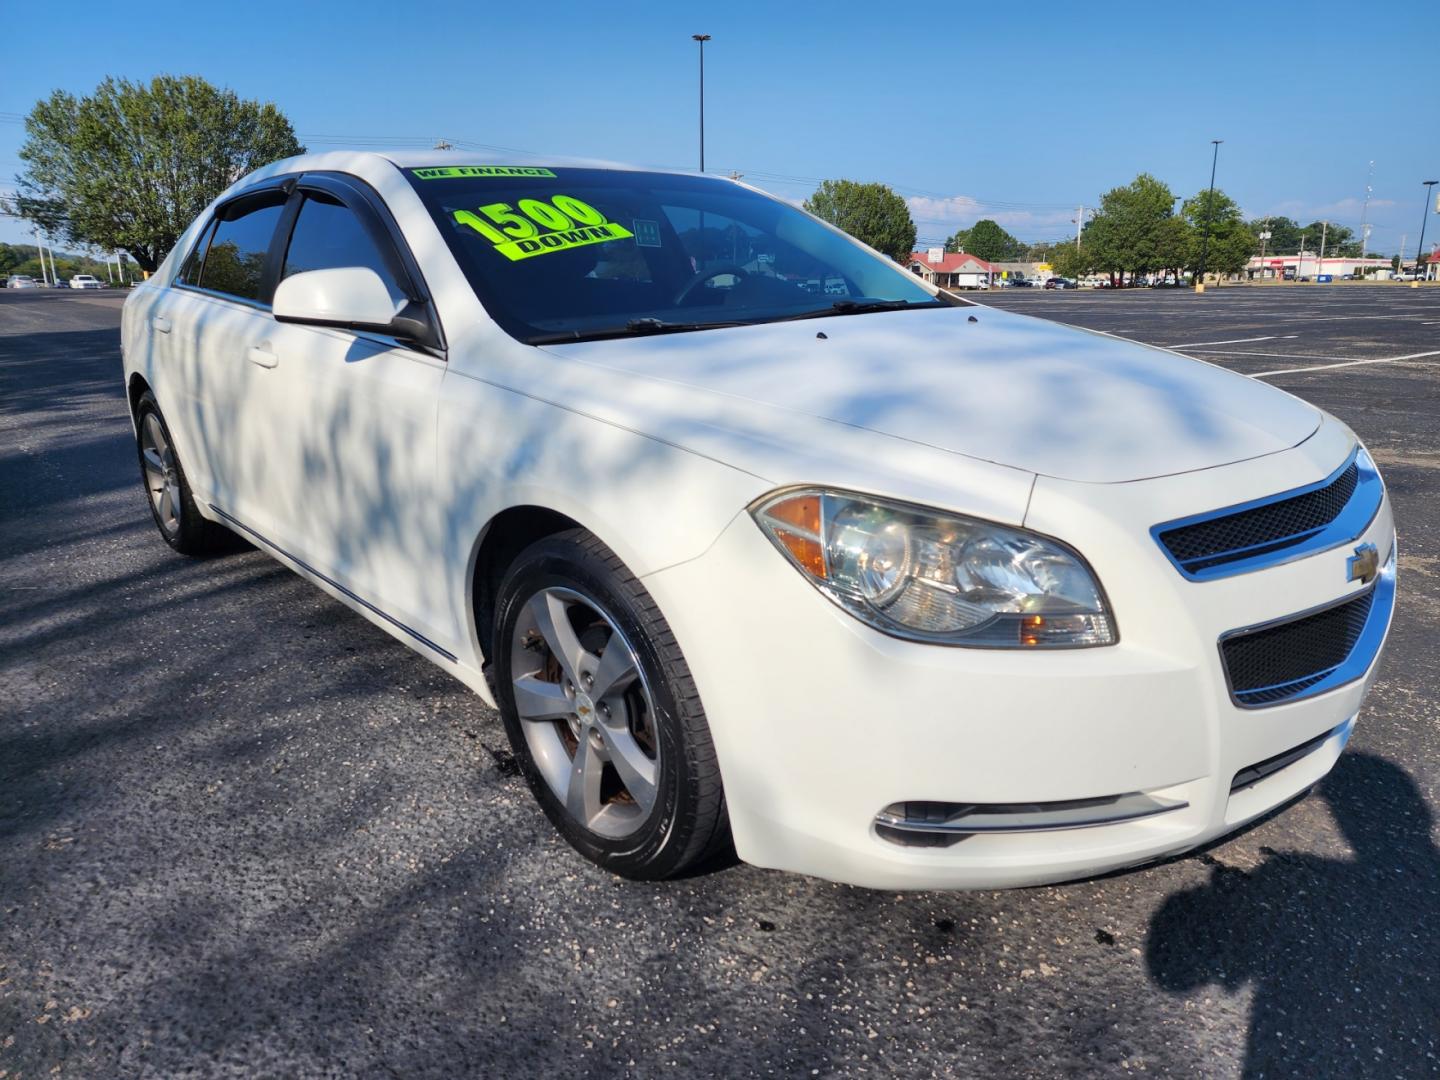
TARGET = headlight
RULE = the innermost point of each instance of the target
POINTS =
(936, 577)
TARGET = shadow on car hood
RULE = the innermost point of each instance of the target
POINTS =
(1005, 388)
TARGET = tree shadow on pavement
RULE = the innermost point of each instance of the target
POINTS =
(1342, 954)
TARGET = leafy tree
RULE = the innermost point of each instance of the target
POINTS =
(1339, 239)
(1284, 234)
(1042, 250)
(129, 167)
(1071, 260)
(987, 240)
(1231, 243)
(1135, 229)
(871, 213)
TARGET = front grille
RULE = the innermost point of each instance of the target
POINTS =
(1262, 529)
(1278, 662)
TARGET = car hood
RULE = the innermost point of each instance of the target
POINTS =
(1009, 389)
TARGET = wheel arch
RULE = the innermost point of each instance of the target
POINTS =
(503, 538)
(135, 389)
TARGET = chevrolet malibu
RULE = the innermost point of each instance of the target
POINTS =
(874, 584)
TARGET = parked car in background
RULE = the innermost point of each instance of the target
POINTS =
(876, 584)
(1060, 283)
(86, 281)
(21, 281)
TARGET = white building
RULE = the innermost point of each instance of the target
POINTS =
(1309, 264)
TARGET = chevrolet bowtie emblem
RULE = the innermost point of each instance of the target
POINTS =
(1363, 565)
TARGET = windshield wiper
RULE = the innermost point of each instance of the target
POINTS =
(861, 307)
(633, 328)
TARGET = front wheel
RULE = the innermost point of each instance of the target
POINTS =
(602, 713)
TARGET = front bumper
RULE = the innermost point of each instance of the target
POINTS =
(823, 726)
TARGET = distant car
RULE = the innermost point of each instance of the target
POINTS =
(1021, 283)
(86, 281)
(21, 281)
(1060, 283)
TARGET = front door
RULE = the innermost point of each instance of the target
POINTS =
(352, 423)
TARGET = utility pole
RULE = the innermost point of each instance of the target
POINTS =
(443, 144)
(1324, 228)
(1424, 213)
(1079, 224)
(1264, 236)
(1300, 258)
(702, 38)
(1209, 211)
(40, 251)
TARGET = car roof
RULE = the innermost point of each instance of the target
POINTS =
(361, 160)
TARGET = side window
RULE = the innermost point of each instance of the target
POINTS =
(235, 262)
(190, 269)
(328, 235)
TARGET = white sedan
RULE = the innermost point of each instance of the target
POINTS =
(86, 281)
(879, 585)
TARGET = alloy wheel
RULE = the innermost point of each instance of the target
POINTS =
(162, 474)
(586, 711)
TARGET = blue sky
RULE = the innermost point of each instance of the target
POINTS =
(1019, 111)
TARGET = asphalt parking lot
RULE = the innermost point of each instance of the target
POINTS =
(244, 833)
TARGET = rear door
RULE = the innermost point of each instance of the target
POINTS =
(215, 320)
(351, 420)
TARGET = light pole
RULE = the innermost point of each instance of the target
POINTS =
(1424, 213)
(702, 38)
(1264, 236)
(1209, 210)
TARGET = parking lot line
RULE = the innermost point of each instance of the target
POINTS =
(1275, 355)
(1347, 363)
(1230, 341)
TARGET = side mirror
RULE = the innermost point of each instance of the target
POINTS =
(350, 298)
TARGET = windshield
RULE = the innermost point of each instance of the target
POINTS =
(572, 254)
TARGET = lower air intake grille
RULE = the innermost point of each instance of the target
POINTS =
(1268, 666)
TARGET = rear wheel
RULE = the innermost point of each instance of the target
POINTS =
(602, 713)
(171, 503)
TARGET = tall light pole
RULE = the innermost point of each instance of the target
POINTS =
(1424, 213)
(702, 38)
(1365, 213)
(1209, 210)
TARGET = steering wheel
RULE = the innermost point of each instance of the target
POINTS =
(704, 276)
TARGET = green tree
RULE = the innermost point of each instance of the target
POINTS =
(129, 167)
(1071, 260)
(1231, 244)
(1284, 234)
(871, 213)
(987, 240)
(1042, 250)
(1339, 239)
(1135, 229)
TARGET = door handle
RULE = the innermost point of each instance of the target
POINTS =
(161, 323)
(261, 354)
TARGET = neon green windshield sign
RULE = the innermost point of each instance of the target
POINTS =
(538, 227)
(451, 172)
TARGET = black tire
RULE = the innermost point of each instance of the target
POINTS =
(687, 826)
(189, 533)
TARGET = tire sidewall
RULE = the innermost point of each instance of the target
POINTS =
(560, 563)
(186, 538)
